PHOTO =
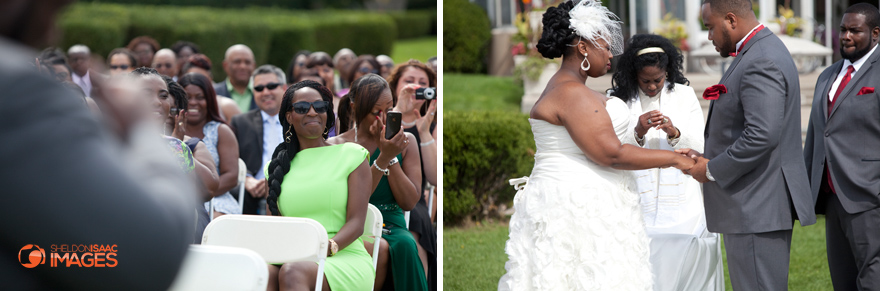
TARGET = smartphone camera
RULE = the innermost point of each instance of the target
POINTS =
(428, 93)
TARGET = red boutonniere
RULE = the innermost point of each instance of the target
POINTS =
(866, 90)
(713, 92)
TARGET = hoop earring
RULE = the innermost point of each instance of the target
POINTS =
(585, 61)
(288, 135)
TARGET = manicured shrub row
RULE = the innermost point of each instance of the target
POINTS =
(466, 35)
(481, 152)
(274, 35)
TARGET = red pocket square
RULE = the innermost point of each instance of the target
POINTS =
(866, 90)
(713, 92)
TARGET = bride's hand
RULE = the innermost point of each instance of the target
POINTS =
(684, 163)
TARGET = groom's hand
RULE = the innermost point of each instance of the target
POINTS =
(698, 171)
(690, 153)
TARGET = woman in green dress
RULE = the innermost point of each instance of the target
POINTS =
(311, 178)
(396, 171)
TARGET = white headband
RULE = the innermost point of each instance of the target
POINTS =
(650, 50)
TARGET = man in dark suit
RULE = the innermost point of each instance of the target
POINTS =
(259, 131)
(842, 152)
(753, 184)
(70, 181)
(238, 63)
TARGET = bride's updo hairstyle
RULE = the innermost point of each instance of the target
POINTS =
(586, 19)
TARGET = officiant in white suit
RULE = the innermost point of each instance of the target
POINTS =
(666, 115)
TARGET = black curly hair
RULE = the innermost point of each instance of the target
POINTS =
(286, 151)
(625, 83)
(177, 92)
(557, 34)
(364, 93)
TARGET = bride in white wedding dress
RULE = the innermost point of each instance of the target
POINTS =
(577, 223)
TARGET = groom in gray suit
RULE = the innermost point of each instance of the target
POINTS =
(754, 185)
(842, 152)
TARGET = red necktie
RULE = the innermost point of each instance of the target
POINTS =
(849, 71)
(846, 78)
(736, 53)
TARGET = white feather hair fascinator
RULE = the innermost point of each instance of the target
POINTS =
(592, 21)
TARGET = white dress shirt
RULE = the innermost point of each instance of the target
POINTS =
(84, 82)
(846, 63)
(272, 136)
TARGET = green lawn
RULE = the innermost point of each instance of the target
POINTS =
(417, 48)
(474, 258)
(480, 92)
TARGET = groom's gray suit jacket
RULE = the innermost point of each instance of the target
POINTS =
(849, 139)
(753, 141)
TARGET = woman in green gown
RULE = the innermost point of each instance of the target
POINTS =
(395, 165)
(311, 178)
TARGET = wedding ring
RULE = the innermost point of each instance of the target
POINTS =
(665, 120)
(432, 113)
(180, 123)
(649, 121)
(405, 141)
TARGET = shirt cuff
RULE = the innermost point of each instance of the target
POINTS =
(709, 174)
(641, 141)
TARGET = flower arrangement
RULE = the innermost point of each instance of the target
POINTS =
(523, 44)
(788, 23)
(675, 31)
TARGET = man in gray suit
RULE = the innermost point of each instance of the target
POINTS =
(754, 186)
(842, 156)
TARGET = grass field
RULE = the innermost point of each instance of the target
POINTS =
(473, 258)
(480, 92)
(418, 48)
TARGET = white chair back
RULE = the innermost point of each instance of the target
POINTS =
(275, 238)
(221, 268)
(373, 230)
(242, 174)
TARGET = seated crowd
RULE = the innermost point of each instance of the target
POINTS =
(312, 139)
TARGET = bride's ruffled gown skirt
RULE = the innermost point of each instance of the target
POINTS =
(577, 225)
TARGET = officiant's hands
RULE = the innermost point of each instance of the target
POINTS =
(698, 171)
(655, 119)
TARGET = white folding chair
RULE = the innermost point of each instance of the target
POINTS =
(242, 174)
(221, 268)
(275, 238)
(373, 230)
(406, 218)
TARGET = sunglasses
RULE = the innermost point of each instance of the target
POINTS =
(303, 107)
(159, 66)
(270, 86)
(367, 70)
(119, 67)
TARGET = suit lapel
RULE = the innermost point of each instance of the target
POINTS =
(826, 88)
(257, 119)
(866, 67)
(759, 36)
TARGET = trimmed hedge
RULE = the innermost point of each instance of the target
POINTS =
(274, 35)
(481, 152)
(466, 35)
(101, 27)
(413, 24)
(299, 4)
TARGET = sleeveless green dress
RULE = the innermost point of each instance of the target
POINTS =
(406, 266)
(316, 187)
